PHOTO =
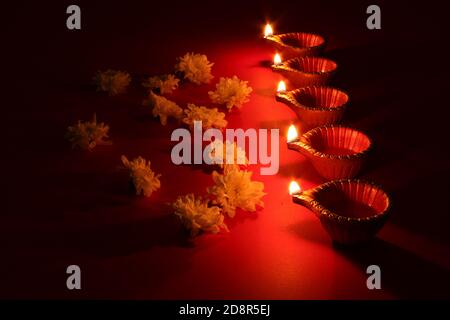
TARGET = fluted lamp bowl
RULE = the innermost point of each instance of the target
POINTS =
(315, 106)
(297, 44)
(351, 211)
(307, 71)
(336, 152)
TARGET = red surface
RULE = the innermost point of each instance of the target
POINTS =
(70, 207)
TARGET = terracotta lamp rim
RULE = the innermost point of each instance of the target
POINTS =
(319, 209)
(302, 143)
(290, 95)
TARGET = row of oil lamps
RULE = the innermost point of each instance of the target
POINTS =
(352, 211)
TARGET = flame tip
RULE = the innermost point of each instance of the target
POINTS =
(281, 86)
(277, 59)
(292, 133)
(294, 188)
(268, 31)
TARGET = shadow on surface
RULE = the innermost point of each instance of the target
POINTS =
(402, 272)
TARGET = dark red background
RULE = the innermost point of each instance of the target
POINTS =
(70, 207)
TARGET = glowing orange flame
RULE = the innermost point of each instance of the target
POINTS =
(281, 86)
(268, 31)
(292, 134)
(294, 188)
(277, 59)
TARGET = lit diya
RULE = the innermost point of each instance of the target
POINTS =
(315, 106)
(296, 44)
(351, 211)
(307, 71)
(336, 152)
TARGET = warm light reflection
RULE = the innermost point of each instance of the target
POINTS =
(294, 188)
(281, 86)
(268, 31)
(292, 134)
(277, 59)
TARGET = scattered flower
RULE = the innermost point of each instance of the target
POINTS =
(145, 181)
(232, 92)
(210, 117)
(196, 215)
(220, 152)
(195, 67)
(235, 189)
(112, 81)
(165, 83)
(163, 107)
(87, 135)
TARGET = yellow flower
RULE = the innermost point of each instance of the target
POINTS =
(195, 67)
(112, 81)
(144, 179)
(165, 83)
(235, 189)
(163, 108)
(196, 215)
(232, 92)
(87, 135)
(210, 117)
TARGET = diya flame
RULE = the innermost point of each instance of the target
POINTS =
(294, 188)
(268, 31)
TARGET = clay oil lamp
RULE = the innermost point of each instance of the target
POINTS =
(335, 152)
(296, 44)
(351, 211)
(307, 71)
(315, 106)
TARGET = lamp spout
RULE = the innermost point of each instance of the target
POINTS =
(304, 199)
(299, 146)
